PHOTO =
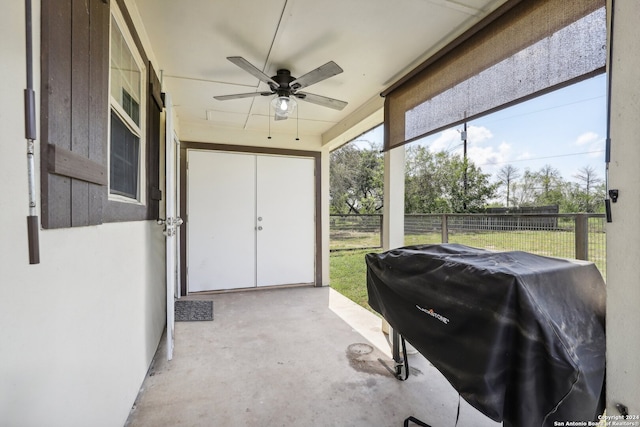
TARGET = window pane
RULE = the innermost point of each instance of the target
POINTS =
(125, 148)
(126, 75)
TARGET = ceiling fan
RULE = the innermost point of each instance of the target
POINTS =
(287, 88)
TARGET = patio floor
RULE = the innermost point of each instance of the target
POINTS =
(297, 356)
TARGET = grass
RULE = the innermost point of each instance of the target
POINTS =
(348, 275)
(348, 270)
(354, 240)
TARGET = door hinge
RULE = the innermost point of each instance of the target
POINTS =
(170, 225)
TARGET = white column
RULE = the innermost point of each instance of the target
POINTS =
(623, 234)
(393, 225)
(324, 209)
(393, 211)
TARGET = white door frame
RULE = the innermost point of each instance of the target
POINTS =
(172, 222)
(316, 155)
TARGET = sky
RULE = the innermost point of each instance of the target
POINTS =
(565, 129)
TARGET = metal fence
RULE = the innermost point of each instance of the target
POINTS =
(355, 231)
(579, 236)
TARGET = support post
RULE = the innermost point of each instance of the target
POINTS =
(582, 237)
(393, 213)
(445, 229)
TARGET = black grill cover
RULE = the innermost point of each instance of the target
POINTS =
(519, 336)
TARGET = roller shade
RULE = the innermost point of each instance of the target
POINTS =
(523, 49)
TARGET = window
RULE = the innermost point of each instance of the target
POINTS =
(127, 83)
(124, 158)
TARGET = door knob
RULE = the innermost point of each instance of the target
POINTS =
(259, 228)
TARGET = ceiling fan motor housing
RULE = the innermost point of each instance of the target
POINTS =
(283, 78)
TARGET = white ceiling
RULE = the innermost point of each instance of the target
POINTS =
(374, 41)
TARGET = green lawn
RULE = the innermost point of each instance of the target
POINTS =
(348, 269)
(348, 275)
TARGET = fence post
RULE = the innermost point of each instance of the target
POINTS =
(382, 230)
(582, 237)
(445, 229)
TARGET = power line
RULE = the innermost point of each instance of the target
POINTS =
(540, 158)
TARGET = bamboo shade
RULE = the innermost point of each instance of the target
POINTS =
(522, 50)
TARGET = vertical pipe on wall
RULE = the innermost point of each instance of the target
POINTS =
(607, 160)
(30, 135)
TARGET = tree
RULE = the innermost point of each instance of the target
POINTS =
(571, 198)
(549, 187)
(507, 175)
(479, 190)
(356, 180)
(541, 188)
(590, 184)
(524, 191)
(423, 179)
(434, 182)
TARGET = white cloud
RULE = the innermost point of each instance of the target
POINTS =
(592, 143)
(451, 141)
(487, 157)
(478, 134)
(490, 157)
(586, 138)
(446, 141)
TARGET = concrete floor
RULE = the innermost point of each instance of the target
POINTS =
(291, 357)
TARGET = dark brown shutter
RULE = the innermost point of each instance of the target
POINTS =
(75, 118)
(74, 111)
(153, 145)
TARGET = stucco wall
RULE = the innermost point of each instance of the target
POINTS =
(623, 234)
(78, 330)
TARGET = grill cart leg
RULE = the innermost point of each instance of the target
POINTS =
(415, 421)
(401, 364)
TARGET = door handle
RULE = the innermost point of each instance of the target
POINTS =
(259, 228)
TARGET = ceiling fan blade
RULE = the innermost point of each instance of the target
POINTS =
(241, 95)
(314, 76)
(251, 69)
(321, 100)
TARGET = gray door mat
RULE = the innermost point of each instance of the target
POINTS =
(192, 311)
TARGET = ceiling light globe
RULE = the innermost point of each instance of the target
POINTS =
(283, 105)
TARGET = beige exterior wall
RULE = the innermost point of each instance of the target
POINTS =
(623, 234)
(79, 329)
(196, 132)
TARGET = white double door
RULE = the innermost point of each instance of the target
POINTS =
(251, 220)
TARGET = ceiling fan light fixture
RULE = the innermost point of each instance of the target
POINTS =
(283, 106)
